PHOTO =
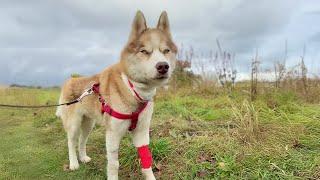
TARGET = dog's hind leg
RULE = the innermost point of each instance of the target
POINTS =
(86, 127)
(73, 137)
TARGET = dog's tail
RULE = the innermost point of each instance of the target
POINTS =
(59, 108)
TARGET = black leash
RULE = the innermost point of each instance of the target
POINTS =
(84, 94)
(40, 106)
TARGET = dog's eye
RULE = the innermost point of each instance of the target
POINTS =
(166, 51)
(143, 51)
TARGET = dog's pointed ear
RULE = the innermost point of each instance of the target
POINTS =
(163, 23)
(138, 26)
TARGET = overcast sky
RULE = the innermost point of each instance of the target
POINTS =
(42, 42)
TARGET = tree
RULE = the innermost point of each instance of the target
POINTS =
(304, 71)
(254, 76)
(280, 67)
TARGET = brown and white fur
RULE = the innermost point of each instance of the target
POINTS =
(146, 48)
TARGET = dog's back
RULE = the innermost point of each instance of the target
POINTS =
(72, 89)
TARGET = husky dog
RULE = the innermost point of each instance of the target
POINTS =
(147, 62)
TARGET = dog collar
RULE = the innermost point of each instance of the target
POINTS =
(134, 116)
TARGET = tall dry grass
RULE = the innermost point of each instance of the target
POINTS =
(245, 117)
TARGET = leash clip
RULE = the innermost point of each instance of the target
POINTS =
(85, 93)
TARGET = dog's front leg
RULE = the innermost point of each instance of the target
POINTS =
(114, 135)
(141, 141)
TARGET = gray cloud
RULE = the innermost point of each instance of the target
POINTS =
(315, 38)
(43, 42)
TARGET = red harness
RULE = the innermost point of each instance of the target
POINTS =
(134, 116)
(144, 152)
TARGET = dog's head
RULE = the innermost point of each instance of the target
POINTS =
(150, 54)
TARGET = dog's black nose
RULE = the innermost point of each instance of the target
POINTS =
(162, 67)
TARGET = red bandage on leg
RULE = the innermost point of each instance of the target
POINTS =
(145, 156)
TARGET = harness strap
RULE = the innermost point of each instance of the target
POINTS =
(135, 92)
(105, 108)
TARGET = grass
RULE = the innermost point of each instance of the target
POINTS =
(195, 135)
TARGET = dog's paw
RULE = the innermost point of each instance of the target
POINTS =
(113, 177)
(85, 159)
(74, 166)
(148, 174)
(150, 177)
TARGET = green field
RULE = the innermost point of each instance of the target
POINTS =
(196, 134)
